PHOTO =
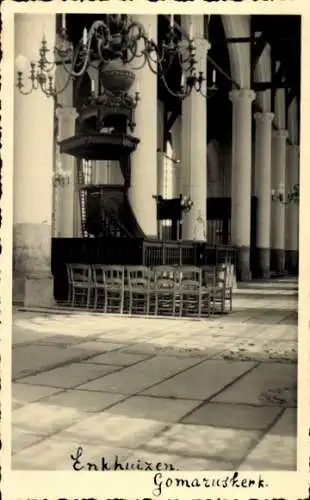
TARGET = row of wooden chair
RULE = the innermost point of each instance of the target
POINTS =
(162, 290)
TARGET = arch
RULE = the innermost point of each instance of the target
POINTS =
(239, 53)
(279, 106)
(262, 73)
(292, 121)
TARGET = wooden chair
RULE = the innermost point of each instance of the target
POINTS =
(138, 289)
(194, 298)
(98, 271)
(81, 284)
(164, 290)
(229, 284)
(220, 285)
(114, 281)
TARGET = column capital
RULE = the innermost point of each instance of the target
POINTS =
(202, 43)
(236, 95)
(67, 112)
(280, 134)
(264, 117)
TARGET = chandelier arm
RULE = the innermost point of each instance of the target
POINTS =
(159, 59)
(71, 71)
(23, 92)
(135, 68)
(149, 63)
(59, 91)
(141, 30)
(174, 94)
(94, 28)
(205, 95)
(133, 48)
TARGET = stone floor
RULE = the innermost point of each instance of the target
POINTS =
(112, 392)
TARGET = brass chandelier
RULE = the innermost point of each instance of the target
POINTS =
(114, 45)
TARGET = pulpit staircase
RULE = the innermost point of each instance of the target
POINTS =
(106, 212)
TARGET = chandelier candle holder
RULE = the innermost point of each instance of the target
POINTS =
(113, 45)
(278, 195)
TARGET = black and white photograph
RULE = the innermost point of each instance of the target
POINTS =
(155, 241)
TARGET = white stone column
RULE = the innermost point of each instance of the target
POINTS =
(33, 173)
(160, 148)
(160, 173)
(263, 190)
(279, 138)
(241, 185)
(194, 143)
(144, 159)
(66, 116)
(177, 152)
(292, 210)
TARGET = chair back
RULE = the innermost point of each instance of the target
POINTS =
(221, 276)
(114, 276)
(79, 273)
(209, 276)
(138, 277)
(99, 275)
(190, 278)
(166, 277)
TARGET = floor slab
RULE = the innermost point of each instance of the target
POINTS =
(253, 388)
(213, 394)
(200, 381)
(134, 379)
(214, 443)
(234, 416)
(70, 376)
(159, 409)
(278, 449)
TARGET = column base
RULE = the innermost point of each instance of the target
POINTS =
(291, 261)
(33, 291)
(263, 263)
(277, 258)
(243, 270)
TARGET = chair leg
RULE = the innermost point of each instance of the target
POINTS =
(181, 306)
(156, 305)
(147, 296)
(70, 295)
(199, 306)
(173, 305)
(130, 300)
(223, 302)
(106, 298)
(88, 297)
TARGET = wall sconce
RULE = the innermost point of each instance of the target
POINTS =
(278, 195)
(60, 177)
(186, 203)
